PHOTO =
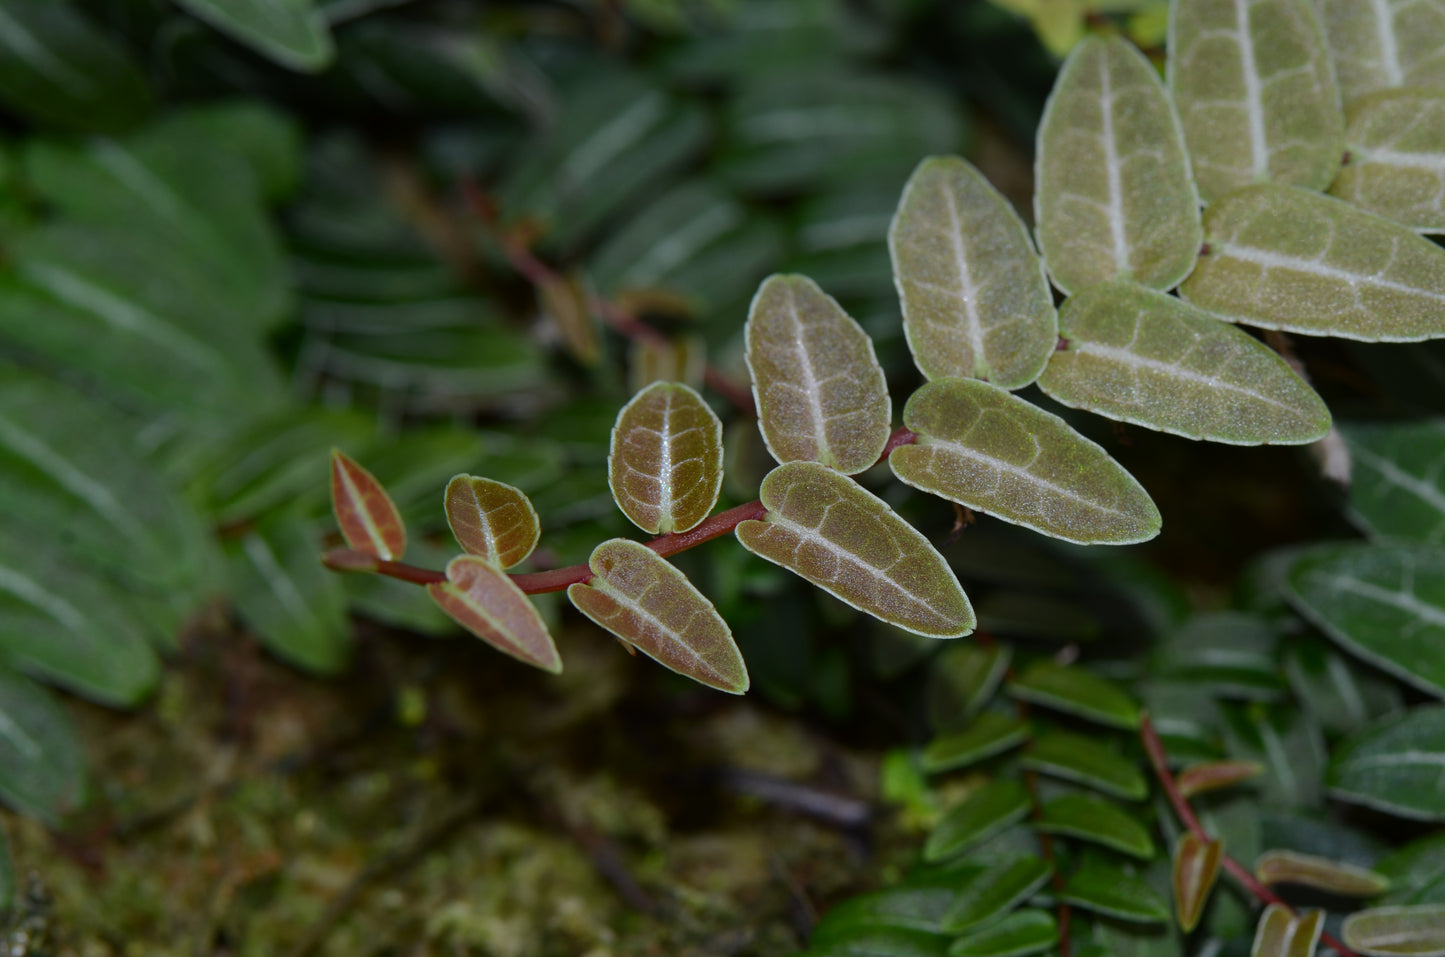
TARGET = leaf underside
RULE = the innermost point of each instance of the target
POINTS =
(367, 516)
(1377, 46)
(1396, 157)
(1195, 869)
(1283, 934)
(665, 464)
(1320, 873)
(483, 599)
(1417, 931)
(491, 519)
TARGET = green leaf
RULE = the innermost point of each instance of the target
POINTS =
(1338, 690)
(824, 527)
(42, 764)
(1022, 932)
(1075, 757)
(1389, 931)
(1394, 765)
(1285, 741)
(990, 733)
(981, 815)
(1195, 869)
(1395, 157)
(1093, 819)
(820, 391)
(1113, 892)
(367, 516)
(962, 679)
(293, 33)
(7, 874)
(492, 519)
(1279, 257)
(1256, 93)
(1231, 652)
(1115, 198)
(641, 598)
(1385, 603)
(1380, 45)
(1076, 691)
(1140, 356)
(918, 908)
(1283, 934)
(1321, 873)
(266, 137)
(884, 941)
(983, 448)
(996, 891)
(1396, 489)
(1416, 871)
(976, 302)
(483, 599)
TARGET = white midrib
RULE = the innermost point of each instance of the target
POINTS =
(1430, 614)
(1023, 473)
(1397, 758)
(1389, 46)
(1111, 163)
(635, 607)
(1422, 490)
(1273, 260)
(1253, 94)
(810, 381)
(966, 288)
(1400, 159)
(1133, 359)
(378, 541)
(665, 502)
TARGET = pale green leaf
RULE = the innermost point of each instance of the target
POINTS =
(1086, 760)
(1022, 932)
(981, 815)
(1310, 870)
(1106, 889)
(42, 763)
(1077, 691)
(641, 598)
(1281, 933)
(1395, 159)
(291, 32)
(847, 541)
(976, 302)
(989, 734)
(996, 891)
(492, 519)
(1279, 257)
(1397, 931)
(1090, 818)
(1144, 357)
(991, 451)
(1396, 489)
(1256, 93)
(1114, 196)
(1384, 44)
(1195, 869)
(962, 679)
(483, 599)
(820, 391)
(1394, 765)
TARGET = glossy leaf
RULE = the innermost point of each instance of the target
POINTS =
(820, 391)
(962, 679)
(491, 519)
(291, 32)
(1140, 356)
(1215, 775)
(1115, 198)
(42, 763)
(824, 527)
(1090, 818)
(1022, 932)
(1405, 931)
(981, 815)
(1394, 765)
(878, 941)
(368, 518)
(996, 891)
(665, 465)
(482, 599)
(990, 733)
(1196, 867)
(911, 907)
(1279, 257)
(1320, 873)
(1088, 761)
(1385, 603)
(1113, 892)
(983, 448)
(1376, 46)
(1283, 934)
(1397, 487)
(976, 302)
(1077, 691)
(641, 598)
(1256, 93)
(1395, 159)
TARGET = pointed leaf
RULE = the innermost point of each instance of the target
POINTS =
(1285, 258)
(1077, 691)
(42, 763)
(641, 598)
(665, 464)
(483, 599)
(847, 541)
(910, 907)
(1395, 156)
(1214, 775)
(1141, 356)
(976, 302)
(291, 32)
(961, 681)
(1283, 934)
(1391, 43)
(1115, 198)
(1088, 761)
(491, 519)
(1256, 93)
(1405, 931)
(1320, 873)
(990, 733)
(820, 391)
(997, 890)
(368, 518)
(1022, 932)
(1397, 489)
(1090, 818)
(1196, 867)
(1109, 890)
(1394, 765)
(983, 448)
(980, 816)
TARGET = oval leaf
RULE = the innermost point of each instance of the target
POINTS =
(1390, 931)
(1384, 44)
(1077, 691)
(492, 519)
(1256, 93)
(1283, 934)
(1394, 766)
(1396, 489)
(1108, 890)
(1115, 198)
(1144, 357)
(1395, 157)
(291, 32)
(847, 541)
(988, 450)
(990, 733)
(1285, 258)
(368, 518)
(819, 389)
(976, 302)
(1022, 932)
(981, 815)
(911, 907)
(1093, 819)
(1214, 775)
(641, 598)
(483, 599)
(1088, 761)
(1196, 867)
(42, 763)
(997, 890)
(665, 463)
(1321, 873)
(961, 681)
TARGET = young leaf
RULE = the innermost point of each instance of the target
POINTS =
(1144, 357)
(1256, 93)
(42, 764)
(820, 391)
(1022, 932)
(1396, 489)
(1196, 867)
(1108, 890)
(1093, 819)
(291, 32)
(1320, 873)
(492, 519)
(1397, 931)
(990, 733)
(976, 302)
(997, 891)
(847, 541)
(1279, 257)
(665, 463)
(1385, 603)
(482, 599)
(981, 447)
(368, 518)
(980, 816)
(1283, 934)
(1376, 46)
(1395, 159)
(1076, 691)
(1086, 760)
(641, 598)
(1394, 765)
(1214, 775)
(1115, 198)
